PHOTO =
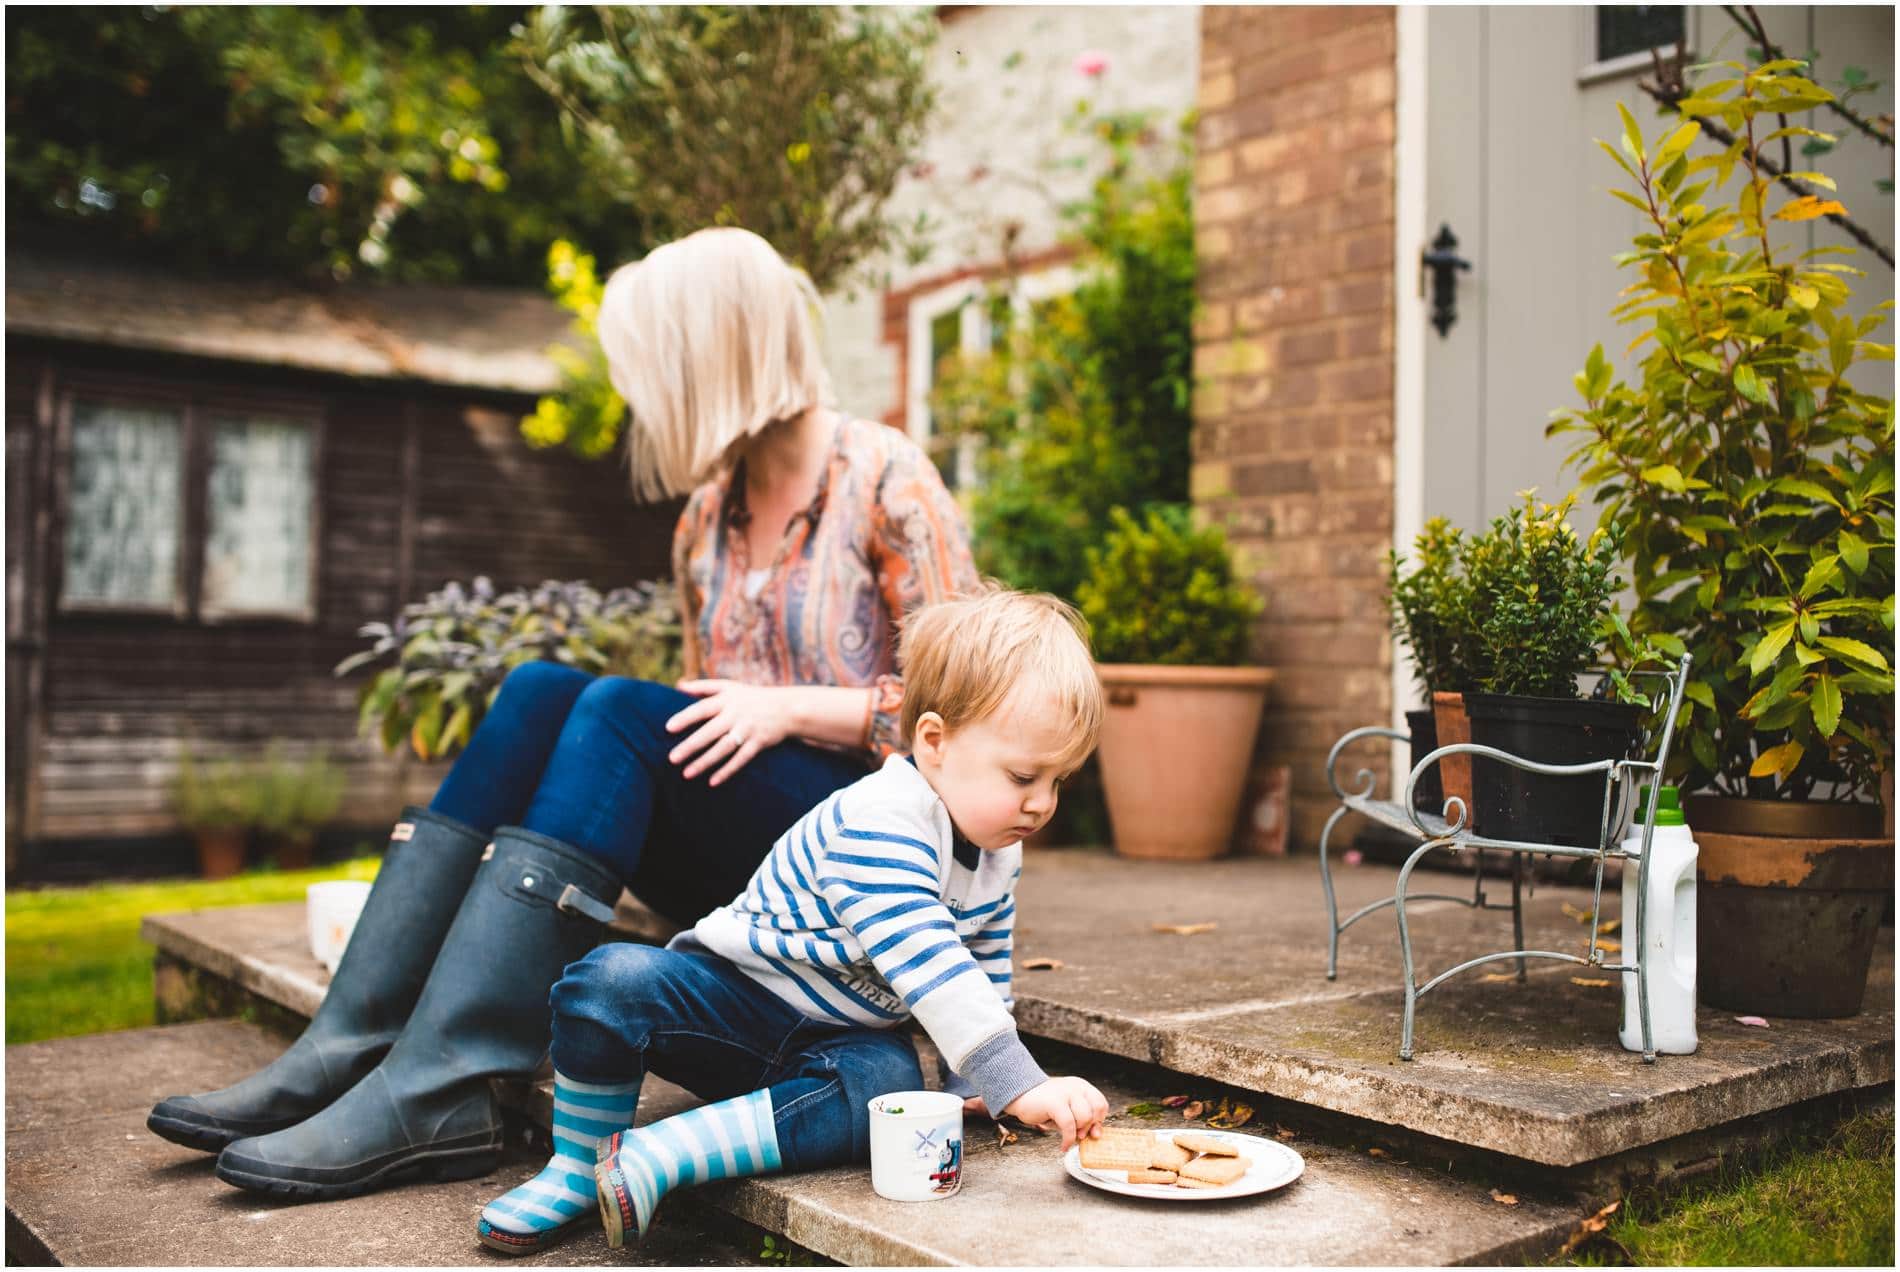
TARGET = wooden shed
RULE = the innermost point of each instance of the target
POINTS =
(212, 484)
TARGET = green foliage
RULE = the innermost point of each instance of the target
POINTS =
(1429, 607)
(296, 798)
(1750, 481)
(330, 142)
(1160, 591)
(453, 649)
(794, 123)
(1537, 597)
(1089, 408)
(215, 795)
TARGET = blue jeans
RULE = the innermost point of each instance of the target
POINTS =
(696, 1020)
(583, 759)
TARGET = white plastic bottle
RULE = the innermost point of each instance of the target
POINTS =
(1670, 929)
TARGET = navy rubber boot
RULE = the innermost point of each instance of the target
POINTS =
(427, 1111)
(425, 873)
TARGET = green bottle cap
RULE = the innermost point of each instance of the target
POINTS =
(1668, 807)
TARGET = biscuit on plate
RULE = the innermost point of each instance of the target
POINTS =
(1218, 1171)
(1168, 1155)
(1151, 1176)
(1118, 1149)
(1214, 1146)
(1185, 1182)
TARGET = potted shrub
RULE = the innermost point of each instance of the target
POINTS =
(1429, 610)
(1539, 601)
(1752, 483)
(1170, 623)
(295, 800)
(216, 802)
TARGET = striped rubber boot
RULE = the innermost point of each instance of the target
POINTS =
(551, 1205)
(716, 1141)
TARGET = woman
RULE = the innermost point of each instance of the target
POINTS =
(807, 536)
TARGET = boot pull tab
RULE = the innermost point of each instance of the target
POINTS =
(575, 901)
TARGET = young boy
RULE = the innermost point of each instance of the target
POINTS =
(895, 897)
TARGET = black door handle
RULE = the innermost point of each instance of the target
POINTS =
(1444, 262)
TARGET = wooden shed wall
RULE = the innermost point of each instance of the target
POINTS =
(417, 484)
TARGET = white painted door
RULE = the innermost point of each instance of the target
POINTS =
(1513, 98)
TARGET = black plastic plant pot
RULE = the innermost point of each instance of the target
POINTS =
(1429, 795)
(1514, 803)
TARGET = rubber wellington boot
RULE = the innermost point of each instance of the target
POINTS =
(427, 1111)
(425, 872)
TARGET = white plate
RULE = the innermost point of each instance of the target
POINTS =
(1274, 1165)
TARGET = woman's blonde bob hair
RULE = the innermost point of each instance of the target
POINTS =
(964, 657)
(708, 340)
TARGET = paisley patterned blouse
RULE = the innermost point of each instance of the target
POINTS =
(880, 537)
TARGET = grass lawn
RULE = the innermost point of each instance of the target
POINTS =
(1830, 1204)
(75, 963)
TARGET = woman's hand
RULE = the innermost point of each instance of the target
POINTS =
(736, 721)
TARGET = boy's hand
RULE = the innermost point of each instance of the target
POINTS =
(1069, 1105)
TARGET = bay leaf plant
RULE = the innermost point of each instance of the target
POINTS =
(449, 652)
(1750, 479)
(1161, 591)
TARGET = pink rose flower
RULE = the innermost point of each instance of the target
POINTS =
(1092, 63)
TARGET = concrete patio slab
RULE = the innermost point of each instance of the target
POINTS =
(150, 1202)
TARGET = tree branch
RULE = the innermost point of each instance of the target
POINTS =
(1772, 53)
(1669, 89)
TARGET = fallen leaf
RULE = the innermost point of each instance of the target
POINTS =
(1589, 1227)
(1193, 1109)
(1285, 1133)
(1610, 947)
(1378, 1152)
(1756, 1021)
(1004, 1135)
(1353, 857)
(1495, 977)
(1581, 916)
(1042, 965)
(1591, 982)
(1608, 926)
(1228, 1119)
(1185, 929)
(1174, 1102)
(1503, 1198)
(1147, 1108)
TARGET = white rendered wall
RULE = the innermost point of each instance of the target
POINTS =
(1006, 81)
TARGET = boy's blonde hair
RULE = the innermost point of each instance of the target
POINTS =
(963, 657)
(708, 339)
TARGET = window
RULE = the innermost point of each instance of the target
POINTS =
(197, 513)
(257, 539)
(124, 519)
(967, 317)
(1623, 29)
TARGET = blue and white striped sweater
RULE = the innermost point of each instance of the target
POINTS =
(862, 915)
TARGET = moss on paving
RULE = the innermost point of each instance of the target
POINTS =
(1829, 1204)
(75, 963)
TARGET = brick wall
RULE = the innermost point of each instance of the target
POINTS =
(1294, 361)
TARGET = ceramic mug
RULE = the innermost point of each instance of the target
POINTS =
(332, 910)
(917, 1145)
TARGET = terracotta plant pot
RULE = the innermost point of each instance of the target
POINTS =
(220, 853)
(1786, 924)
(1175, 748)
(293, 852)
(1454, 727)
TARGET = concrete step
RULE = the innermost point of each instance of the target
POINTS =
(145, 1201)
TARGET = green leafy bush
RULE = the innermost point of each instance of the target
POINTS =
(1160, 591)
(1089, 408)
(1750, 481)
(215, 795)
(1538, 599)
(1431, 607)
(296, 798)
(452, 650)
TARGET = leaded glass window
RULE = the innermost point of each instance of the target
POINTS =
(124, 515)
(258, 525)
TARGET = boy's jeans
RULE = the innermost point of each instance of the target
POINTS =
(583, 759)
(696, 1020)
